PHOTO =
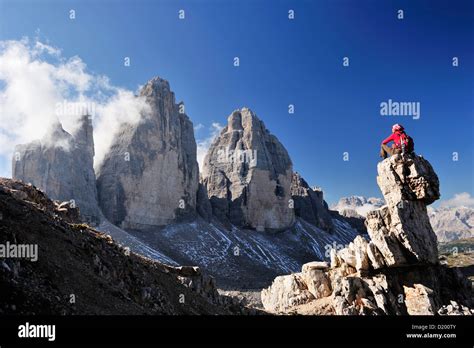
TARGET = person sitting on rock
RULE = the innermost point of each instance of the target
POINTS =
(402, 143)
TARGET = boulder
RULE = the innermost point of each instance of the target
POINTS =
(316, 279)
(286, 292)
(318, 265)
(348, 255)
(407, 177)
(150, 175)
(375, 256)
(419, 300)
(247, 173)
(360, 253)
(453, 308)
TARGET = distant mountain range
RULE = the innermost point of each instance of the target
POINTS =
(449, 223)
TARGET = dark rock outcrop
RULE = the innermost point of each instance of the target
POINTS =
(309, 204)
(80, 263)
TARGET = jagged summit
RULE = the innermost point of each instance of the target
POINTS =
(155, 87)
(247, 173)
(150, 177)
(61, 164)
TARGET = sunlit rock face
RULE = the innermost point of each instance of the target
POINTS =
(150, 175)
(247, 173)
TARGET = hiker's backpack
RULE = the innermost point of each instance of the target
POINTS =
(406, 143)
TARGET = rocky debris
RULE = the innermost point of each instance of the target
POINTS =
(33, 196)
(314, 276)
(298, 288)
(150, 175)
(61, 164)
(247, 173)
(75, 261)
(194, 279)
(396, 272)
(455, 309)
(309, 204)
(419, 300)
(286, 292)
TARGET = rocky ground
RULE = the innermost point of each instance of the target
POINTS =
(82, 271)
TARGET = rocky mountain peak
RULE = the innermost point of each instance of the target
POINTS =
(61, 164)
(247, 173)
(150, 176)
(156, 88)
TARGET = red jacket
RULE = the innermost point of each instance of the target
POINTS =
(395, 137)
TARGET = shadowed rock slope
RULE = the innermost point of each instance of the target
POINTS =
(76, 261)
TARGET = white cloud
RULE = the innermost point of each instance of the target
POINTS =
(36, 81)
(204, 144)
(198, 127)
(463, 199)
(124, 107)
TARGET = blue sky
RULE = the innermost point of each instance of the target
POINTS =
(284, 62)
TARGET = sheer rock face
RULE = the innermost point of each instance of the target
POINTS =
(203, 205)
(150, 176)
(61, 164)
(309, 204)
(247, 173)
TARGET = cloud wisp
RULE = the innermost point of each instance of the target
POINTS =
(39, 86)
(463, 199)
